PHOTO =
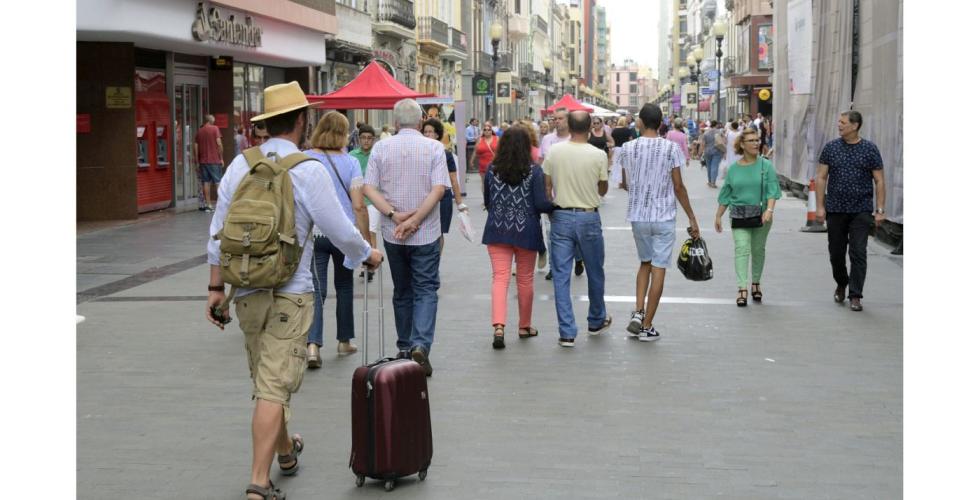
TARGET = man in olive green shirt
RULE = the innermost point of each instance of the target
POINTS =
(577, 173)
(365, 137)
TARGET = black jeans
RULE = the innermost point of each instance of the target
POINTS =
(847, 235)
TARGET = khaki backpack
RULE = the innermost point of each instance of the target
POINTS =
(258, 240)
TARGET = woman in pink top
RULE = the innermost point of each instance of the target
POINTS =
(678, 136)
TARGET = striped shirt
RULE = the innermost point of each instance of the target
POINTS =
(648, 163)
(405, 168)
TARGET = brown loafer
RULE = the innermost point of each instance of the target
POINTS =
(839, 295)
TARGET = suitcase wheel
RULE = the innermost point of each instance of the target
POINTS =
(359, 481)
(422, 474)
(389, 485)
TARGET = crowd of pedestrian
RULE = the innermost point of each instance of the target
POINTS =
(542, 187)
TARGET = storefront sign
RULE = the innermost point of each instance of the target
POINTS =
(481, 85)
(765, 94)
(210, 26)
(83, 123)
(386, 56)
(118, 97)
(221, 120)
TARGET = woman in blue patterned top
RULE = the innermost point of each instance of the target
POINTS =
(515, 199)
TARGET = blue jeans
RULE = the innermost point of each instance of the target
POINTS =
(714, 161)
(343, 284)
(573, 232)
(415, 277)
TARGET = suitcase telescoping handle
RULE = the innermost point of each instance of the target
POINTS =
(381, 316)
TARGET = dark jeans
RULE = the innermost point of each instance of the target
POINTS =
(847, 235)
(415, 277)
(343, 284)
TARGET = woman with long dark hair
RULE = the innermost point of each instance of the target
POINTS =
(513, 192)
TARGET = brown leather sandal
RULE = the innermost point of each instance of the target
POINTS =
(743, 298)
(756, 293)
(291, 458)
(270, 493)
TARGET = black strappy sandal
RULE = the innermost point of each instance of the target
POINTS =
(756, 293)
(292, 457)
(743, 298)
(498, 337)
(528, 332)
(270, 493)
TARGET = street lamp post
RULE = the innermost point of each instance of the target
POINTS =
(563, 75)
(698, 57)
(496, 33)
(547, 80)
(682, 75)
(719, 30)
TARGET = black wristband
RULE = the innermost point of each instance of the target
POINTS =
(219, 288)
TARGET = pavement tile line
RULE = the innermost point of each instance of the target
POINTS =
(150, 275)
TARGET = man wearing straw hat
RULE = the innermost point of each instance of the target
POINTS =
(275, 322)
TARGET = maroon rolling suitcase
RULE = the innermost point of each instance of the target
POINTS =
(391, 429)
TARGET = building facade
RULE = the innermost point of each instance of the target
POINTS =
(750, 44)
(147, 74)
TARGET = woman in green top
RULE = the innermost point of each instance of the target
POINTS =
(750, 181)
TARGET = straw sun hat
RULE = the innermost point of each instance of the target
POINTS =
(282, 98)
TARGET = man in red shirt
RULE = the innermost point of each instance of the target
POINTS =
(207, 152)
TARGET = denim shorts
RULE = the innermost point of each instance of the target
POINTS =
(211, 172)
(655, 241)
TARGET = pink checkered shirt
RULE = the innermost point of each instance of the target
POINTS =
(404, 168)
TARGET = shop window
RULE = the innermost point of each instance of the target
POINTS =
(142, 148)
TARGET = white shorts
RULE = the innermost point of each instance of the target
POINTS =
(374, 219)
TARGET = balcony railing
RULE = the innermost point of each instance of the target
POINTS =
(484, 63)
(525, 70)
(540, 23)
(457, 39)
(430, 28)
(400, 12)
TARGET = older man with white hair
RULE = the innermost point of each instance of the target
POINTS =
(406, 177)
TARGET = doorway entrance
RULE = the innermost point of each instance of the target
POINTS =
(190, 106)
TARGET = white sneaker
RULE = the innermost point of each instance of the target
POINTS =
(635, 324)
(649, 334)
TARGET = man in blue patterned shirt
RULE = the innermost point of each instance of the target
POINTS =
(852, 176)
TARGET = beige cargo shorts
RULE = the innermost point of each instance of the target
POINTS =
(275, 327)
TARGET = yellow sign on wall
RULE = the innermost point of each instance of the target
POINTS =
(118, 97)
(765, 94)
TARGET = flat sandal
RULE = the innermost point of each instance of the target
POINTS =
(527, 332)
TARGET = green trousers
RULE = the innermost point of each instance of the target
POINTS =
(750, 243)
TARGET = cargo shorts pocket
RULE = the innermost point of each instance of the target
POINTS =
(287, 327)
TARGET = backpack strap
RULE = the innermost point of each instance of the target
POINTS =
(253, 156)
(293, 160)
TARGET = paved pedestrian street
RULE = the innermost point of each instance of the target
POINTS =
(797, 398)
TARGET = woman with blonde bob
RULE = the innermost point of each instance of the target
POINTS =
(328, 140)
(751, 182)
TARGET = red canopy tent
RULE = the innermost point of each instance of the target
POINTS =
(373, 88)
(568, 102)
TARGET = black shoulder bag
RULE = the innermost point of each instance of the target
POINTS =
(346, 191)
(749, 216)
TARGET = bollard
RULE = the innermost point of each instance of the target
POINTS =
(812, 226)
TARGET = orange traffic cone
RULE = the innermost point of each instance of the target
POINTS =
(812, 226)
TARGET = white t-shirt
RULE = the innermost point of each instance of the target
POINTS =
(648, 163)
(316, 202)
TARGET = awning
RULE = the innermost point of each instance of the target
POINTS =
(373, 88)
(568, 102)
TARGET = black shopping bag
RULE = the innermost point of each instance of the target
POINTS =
(694, 261)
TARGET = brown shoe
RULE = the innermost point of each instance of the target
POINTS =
(313, 359)
(856, 304)
(839, 295)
